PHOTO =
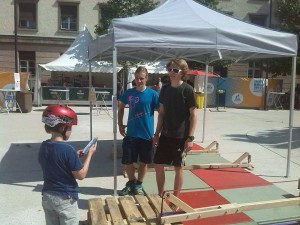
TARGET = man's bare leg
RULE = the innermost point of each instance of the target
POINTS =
(178, 180)
(130, 170)
(142, 171)
(160, 178)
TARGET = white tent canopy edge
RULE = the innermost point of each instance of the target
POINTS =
(188, 30)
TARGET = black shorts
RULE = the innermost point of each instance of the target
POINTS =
(169, 151)
(135, 149)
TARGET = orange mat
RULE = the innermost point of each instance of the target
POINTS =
(198, 199)
(229, 178)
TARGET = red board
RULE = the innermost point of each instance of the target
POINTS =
(199, 199)
(228, 178)
(197, 147)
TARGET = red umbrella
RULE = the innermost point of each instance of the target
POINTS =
(201, 73)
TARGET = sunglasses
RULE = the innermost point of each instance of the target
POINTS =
(173, 70)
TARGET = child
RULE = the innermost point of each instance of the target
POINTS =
(61, 167)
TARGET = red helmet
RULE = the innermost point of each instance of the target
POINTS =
(56, 114)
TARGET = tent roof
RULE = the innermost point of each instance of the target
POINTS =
(75, 59)
(189, 30)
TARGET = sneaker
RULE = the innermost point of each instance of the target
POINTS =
(138, 189)
(127, 190)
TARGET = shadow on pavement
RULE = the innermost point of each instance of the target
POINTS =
(277, 139)
(20, 164)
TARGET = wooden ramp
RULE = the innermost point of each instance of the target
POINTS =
(134, 210)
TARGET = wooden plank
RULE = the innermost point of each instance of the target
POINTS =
(146, 209)
(208, 166)
(156, 202)
(226, 209)
(178, 202)
(132, 214)
(115, 213)
(96, 213)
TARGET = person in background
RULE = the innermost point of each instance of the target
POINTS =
(159, 85)
(137, 142)
(176, 124)
(61, 167)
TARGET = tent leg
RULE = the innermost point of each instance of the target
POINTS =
(114, 105)
(291, 117)
(205, 101)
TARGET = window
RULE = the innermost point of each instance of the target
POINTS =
(260, 20)
(254, 70)
(69, 17)
(27, 15)
(27, 62)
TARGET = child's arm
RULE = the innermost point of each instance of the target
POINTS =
(81, 174)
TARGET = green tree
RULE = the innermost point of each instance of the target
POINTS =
(288, 14)
(210, 3)
(120, 9)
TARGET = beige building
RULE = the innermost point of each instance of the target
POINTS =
(45, 29)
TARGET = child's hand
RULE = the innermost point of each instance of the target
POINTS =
(93, 149)
(80, 153)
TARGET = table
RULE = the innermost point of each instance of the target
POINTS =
(59, 94)
(277, 99)
(102, 105)
(9, 100)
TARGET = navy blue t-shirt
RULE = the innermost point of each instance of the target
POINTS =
(58, 160)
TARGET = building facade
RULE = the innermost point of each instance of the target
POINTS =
(45, 29)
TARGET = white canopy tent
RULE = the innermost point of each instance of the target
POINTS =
(186, 29)
(75, 59)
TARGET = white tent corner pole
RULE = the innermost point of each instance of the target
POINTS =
(114, 105)
(91, 104)
(205, 101)
(37, 87)
(291, 116)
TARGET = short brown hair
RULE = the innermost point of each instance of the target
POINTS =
(141, 69)
(58, 128)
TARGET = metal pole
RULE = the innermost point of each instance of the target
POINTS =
(16, 37)
(91, 104)
(205, 101)
(291, 120)
(114, 105)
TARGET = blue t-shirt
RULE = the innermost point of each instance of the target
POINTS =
(141, 104)
(58, 160)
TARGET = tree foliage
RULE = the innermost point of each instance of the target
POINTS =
(288, 14)
(210, 3)
(120, 9)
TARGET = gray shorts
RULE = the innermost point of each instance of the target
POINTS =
(60, 210)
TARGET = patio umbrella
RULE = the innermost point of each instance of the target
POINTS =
(200, 78)
(201, 73)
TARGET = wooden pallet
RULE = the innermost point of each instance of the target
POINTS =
(133, 210)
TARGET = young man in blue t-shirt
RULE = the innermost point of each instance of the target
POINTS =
(137, 142)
